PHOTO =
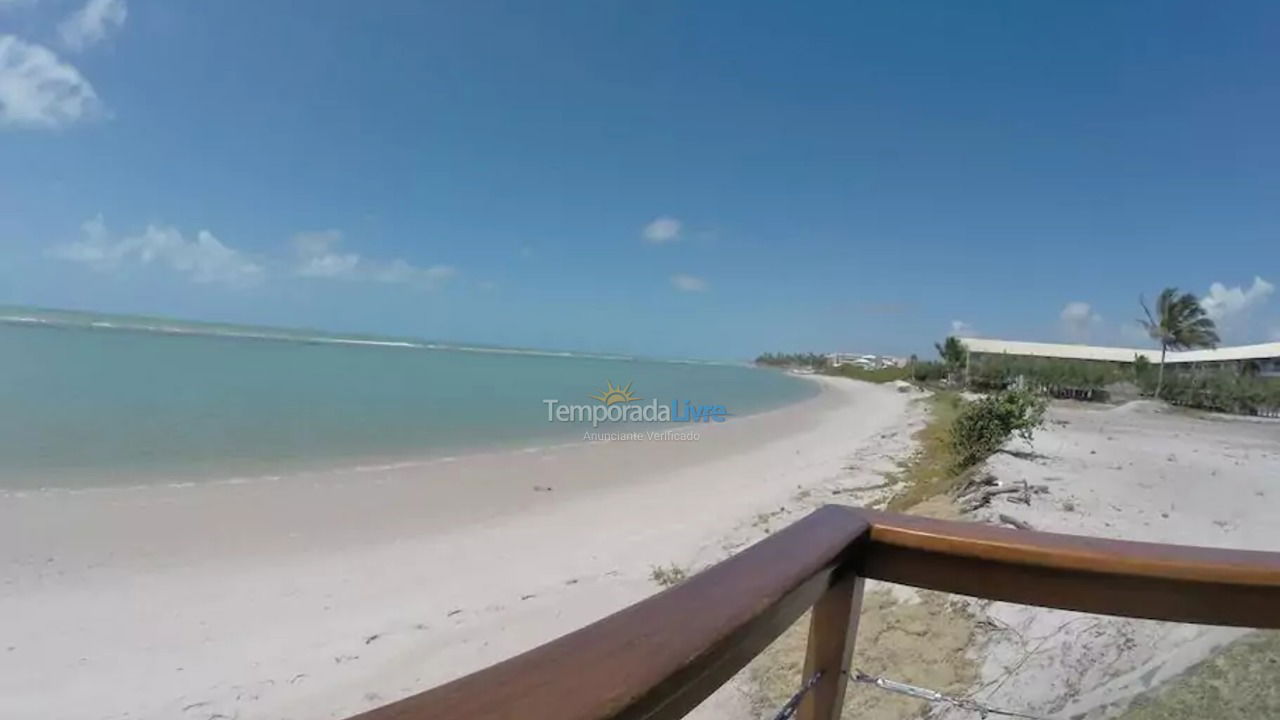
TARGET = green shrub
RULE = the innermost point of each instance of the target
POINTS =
(1222, 391)
(878, 375)
(1145, 375)
(920, 372)
(984, 425)
(1051, 375)
(928, 372)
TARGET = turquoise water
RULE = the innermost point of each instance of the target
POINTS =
(90, 400)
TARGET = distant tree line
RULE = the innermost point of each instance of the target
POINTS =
(816, 361)
(1176, 322)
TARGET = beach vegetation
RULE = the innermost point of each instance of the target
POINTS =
(1238, 682)
(952, 352)
(983, 426)
(1228, 391)
(815, 361)
(872, 375)
(929, 471)
(1178, 323)
(927, 372)
(916, 372)
(1235, 390)
(1086, 379)
(668, 575)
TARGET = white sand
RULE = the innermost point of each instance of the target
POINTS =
(321, 595)
(1133, 473)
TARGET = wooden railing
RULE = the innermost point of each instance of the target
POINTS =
(660, 657)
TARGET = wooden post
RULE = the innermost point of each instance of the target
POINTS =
(832, 630)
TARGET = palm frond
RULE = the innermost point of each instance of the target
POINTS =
(1179, 321)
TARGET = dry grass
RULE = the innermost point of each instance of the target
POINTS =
(928, 472)
(1239, 682)
(669, 575)
(922, 642)
(914, 636)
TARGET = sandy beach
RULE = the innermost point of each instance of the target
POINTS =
(1136, 472)
(321, 595)
(1139, 471)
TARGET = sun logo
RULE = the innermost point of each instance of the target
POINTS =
(614, 395)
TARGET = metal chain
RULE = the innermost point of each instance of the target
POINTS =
(788, 711)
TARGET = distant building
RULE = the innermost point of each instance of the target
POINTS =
(869, 362)
(1262, 359)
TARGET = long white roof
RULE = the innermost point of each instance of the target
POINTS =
(1116, 354)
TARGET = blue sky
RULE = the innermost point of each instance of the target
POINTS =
(684, 179)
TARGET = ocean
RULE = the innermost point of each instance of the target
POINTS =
(90, 400)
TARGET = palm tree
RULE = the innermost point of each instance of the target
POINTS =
(1179, 323)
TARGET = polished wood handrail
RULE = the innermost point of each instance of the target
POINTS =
(1180, 583)
(662, 656)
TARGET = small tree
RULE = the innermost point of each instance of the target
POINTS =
(1179, 323)
(984, 425)
(951, 351)
(1142, 371)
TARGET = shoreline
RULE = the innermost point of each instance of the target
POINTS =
(377, 463)
(339, 591)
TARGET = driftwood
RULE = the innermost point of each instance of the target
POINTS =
(982, 497)
(1024, 497)
(974, 484)
(1015, 522)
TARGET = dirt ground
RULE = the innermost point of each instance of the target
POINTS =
(1139, 472)
(1241, 682)
(915, 636)
(1134, 472)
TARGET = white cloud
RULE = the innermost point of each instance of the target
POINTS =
(662, 230)
(688, 283)
(1224, 303)
(204, 259)
(92, 23)
(319, 256)
(961, 328)
(39, 90)
(1078, 319)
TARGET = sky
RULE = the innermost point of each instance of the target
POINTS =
(708, 179)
